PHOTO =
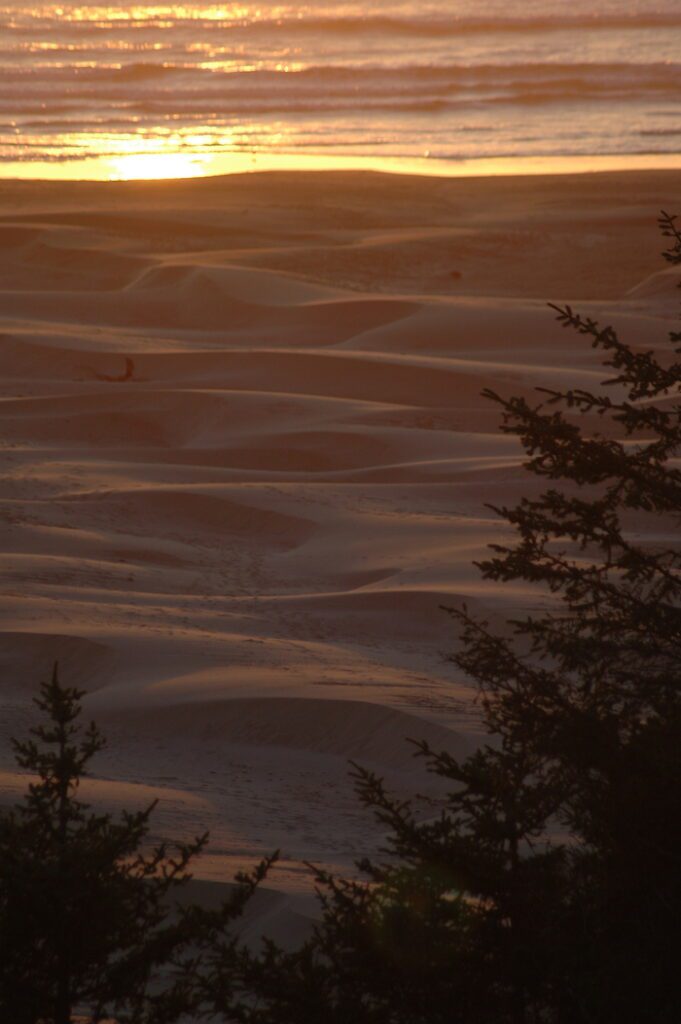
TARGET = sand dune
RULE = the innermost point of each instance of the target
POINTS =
(356, 730)
(28, 658)
(192, 297)
(245, 460)
(110, 795)
(212, 518)
(659, 287)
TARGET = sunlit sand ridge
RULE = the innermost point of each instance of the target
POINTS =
(245, 460)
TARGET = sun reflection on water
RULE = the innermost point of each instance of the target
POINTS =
(156, 14)
(156, 166)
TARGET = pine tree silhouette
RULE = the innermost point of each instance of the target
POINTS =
(87, 917)
(548, 889)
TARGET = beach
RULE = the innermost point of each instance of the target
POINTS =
(246, 462)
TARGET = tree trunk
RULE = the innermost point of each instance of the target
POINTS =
(62, 1003)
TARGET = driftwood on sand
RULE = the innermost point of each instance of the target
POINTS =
(116, 378)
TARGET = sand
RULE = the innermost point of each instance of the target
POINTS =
(245, 460)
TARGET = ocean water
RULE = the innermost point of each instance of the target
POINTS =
(153, 89)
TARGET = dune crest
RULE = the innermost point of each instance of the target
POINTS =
(246, 460)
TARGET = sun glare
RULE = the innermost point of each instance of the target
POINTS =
(148, 166)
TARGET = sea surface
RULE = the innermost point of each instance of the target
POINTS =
(120, 90)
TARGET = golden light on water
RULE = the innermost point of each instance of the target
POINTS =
(156, 166)
(147, 89)
(162, 155)
(158, 14)
(166, 166)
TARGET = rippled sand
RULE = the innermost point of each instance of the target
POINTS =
(245, 459)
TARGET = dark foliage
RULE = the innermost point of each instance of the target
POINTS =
(88, 918)
(548, 889)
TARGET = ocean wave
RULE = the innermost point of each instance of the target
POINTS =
(354, 86)
(177, 20)
(384, 82)
(10, 153)
(438, 26)
(349, 76)
(227, 110)
(331, 74)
